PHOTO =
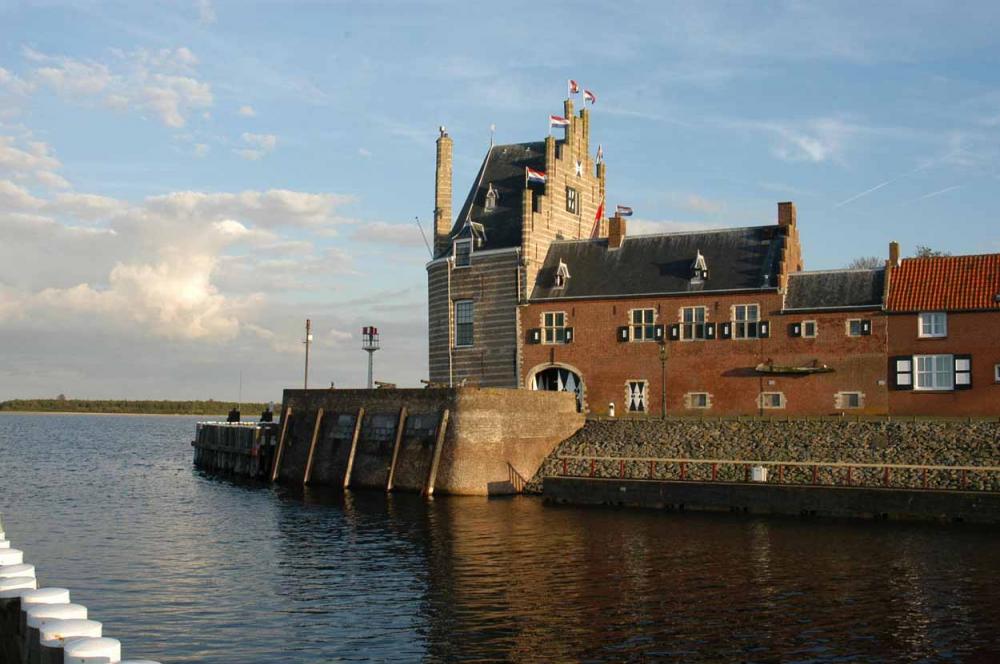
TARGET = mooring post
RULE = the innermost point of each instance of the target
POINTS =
(312, 447)
(436, 459)
(281, 443)
(354, 447)
(395, 448)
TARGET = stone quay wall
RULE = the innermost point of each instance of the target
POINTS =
(948, 442)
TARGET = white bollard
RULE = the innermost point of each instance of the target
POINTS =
(40, 615)
(55, 634)
(8, 571)
(11, 556)
(39, 596)
(92, 651)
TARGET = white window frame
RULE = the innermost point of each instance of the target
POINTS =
(742, 327)
(763, 402)
(471, 323)
(644, 399)
(691, 396)
(935, 372)
(844, 396)
(932, 324)
(694, 329)
(572, 200)
(556, 331)
(815, 329)
(644, 331)
(455, 251)
(847, 327)
(996, 373)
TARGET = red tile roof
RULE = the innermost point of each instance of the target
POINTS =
(946, 283)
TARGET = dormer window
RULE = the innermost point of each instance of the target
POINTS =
(491, 198)
(463, 253)
(699, 269)
(562, 275)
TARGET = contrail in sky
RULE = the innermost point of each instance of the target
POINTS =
(938, 193)
(882, 184)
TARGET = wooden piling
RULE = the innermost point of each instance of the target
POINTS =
(438, 444)
(281, 443)
(312, 447)
(400, 424)
(354, 447)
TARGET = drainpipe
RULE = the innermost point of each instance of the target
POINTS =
(451, 373)
(663, 379)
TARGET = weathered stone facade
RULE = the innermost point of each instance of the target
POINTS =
(958, 442)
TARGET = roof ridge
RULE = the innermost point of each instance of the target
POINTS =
(934, 258)
(728, 229)
(834, 270)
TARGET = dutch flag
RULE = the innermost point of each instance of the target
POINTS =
(623, 211)
(574, 87)
(535, 176)
(558, 121)
(589, 96)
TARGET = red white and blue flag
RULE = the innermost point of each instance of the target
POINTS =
(534, 176)
(589, 96)
(623, 211)
(600, 153)
(558, 121)
(574, 87)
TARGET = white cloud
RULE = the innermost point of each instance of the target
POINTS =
(161, 82)
(247, 112)
(260, 145)
(404, 235)
(201, 150)
(700, 204)
(17, 198)
(640, 226)
(364, 152)
(30, 160)
(206, 13)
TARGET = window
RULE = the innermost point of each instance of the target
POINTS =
(693, 323)
(745, 319)
(809, 329)
(854, 327)
(848, 400)
(697, 400)
(933, 324)
(464, 314)
(636, 395)
(934, 372)
(770, 400)
(996, 373)
(554, 327)
(562, 274)
(642, 327)
(571, 200)
(491, 198)
(463, 253)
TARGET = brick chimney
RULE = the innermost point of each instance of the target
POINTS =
(616, 231)
(894, 254)
(786, 214)
(442, 193)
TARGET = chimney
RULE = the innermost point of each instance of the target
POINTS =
(616, 231)
(894, 254)
(442, 193)
(786, 214)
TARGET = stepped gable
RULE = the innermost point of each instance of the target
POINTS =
(503, 168)
(945, 283)
(835, 289)
(738, 259)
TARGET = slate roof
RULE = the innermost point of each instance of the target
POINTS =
(835, 289)
(503, 167)
(945, 283)
(737, 259)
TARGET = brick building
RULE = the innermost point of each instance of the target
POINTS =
(718, 322)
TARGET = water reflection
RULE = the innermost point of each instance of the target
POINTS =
(189, 568)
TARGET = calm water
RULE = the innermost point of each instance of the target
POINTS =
(186, 568)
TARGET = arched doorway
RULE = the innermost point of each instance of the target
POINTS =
(558, 378)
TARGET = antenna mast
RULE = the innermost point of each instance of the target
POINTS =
(370, 344)
(307, 342)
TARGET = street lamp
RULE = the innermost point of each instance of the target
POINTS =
(663, 379)
(307, 342)
(370, 344)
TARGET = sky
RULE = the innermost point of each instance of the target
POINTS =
(182, 184)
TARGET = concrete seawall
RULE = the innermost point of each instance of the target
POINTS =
(830, 501)
(461, 441)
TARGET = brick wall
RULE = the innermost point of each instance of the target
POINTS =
(972, 333)
(722, 368)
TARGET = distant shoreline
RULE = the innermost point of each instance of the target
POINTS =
(82, 412)
(193, 407)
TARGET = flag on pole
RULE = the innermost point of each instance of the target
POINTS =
(558, 121)
(589, 96)
(600, 153)
(597, 221)
(623, 211)
(574, 87)
(534, 176)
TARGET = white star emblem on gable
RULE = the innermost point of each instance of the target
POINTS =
(579, 167)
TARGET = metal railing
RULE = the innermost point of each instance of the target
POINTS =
(811, 473)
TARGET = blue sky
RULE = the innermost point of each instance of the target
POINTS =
(182, 184)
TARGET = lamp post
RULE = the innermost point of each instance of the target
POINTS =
(663, 379)
(370, 344)
(307, 342)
